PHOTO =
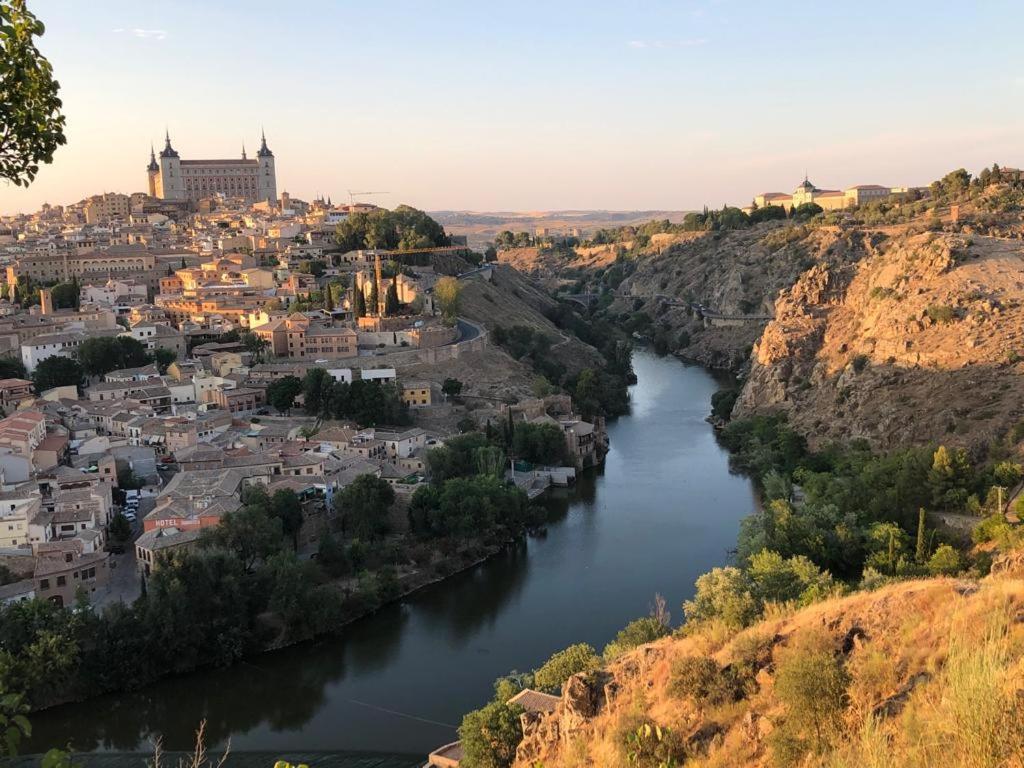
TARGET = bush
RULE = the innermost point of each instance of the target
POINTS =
(811, 684)
(940, 313)
(722, 402)
(860, 362)
(634, 634)
(702, 679)
(563, 665)
(945, 561)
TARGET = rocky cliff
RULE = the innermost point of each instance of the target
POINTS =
(919, 340)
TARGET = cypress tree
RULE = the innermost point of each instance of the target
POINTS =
(921, 553)
(391, 305)
(358, 303)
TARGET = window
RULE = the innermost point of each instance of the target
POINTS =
(62, 581)
(44, 584)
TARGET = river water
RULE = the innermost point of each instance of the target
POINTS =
(663, 509)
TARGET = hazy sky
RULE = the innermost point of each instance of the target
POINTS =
(529, 105)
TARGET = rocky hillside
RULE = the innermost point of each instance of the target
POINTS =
(930, 671)
(919, 340)
(735, 273)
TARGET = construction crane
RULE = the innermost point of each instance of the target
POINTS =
(353, 195)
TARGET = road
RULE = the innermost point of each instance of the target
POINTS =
(124, 585)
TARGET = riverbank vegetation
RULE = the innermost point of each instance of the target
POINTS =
(243, 589)
(832, 522)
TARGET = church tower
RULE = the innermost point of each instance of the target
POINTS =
(266, 181)
(152, 172)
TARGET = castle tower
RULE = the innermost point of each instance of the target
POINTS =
(266, 183)
(171, 186)
(152, 172)
(46, 301)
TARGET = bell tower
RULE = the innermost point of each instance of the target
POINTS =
(266, 180)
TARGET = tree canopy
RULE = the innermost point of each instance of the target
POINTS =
(57, 371)
(404, 228)
(103, 354)
(31, 123)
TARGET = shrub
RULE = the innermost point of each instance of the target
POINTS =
(564, 664)
(634, 634)
(940, 313)
(811, 684)
(702, 679)
(860, 362)
(945, 561)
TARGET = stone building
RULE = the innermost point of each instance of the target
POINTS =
(171, 178)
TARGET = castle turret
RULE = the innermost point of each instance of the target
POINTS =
(171, 186)
(266, 183)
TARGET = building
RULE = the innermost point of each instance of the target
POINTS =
(416, 394)
(13, 392)
(22, 432)
(107, 207)
(63, 567)
(828, 199)
(171, 178)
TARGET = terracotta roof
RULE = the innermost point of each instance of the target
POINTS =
(534, 701)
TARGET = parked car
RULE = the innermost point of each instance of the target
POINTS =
(130, 517)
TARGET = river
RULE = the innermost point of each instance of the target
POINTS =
(663, 509)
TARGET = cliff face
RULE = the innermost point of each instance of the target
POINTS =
(736, 273)
(901, 651)
(918, 341)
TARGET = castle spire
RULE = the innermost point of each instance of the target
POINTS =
(168, 150)
(152, 159)
(264, 150)
(243, 150)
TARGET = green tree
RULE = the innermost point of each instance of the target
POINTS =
(358, 302)
(638, 632)
(120, 529)
(249, 532)
(317, 390)
(102, 354)
(363, 507)
(723, 594)
(31, 123)
(551, 676)
(945, 561)
(12, 368)
(921, 545)
(391, 303)
(1007, 473)
(164, 358)
(57, 371)
(286, 507)
(451, 387)
(282, 393)
(447, 291)
(539, 443)
(255, 346)
(949, 478)
(490, 736)
(65, 295)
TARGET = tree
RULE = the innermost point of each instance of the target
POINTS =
(949, 478)
(65, 295)
(57, 371)
(490, 735)
(921, 545)
(282, 393)
(539, 443)
(451, 387)
(103, 354)
(12, 368)
(562, 665)
(164, 358)
(363, 507)
(374, 304)
(358, 302)
(256, 346)
(317, 388)
(249, 532)
(945, 561)
(447, 291)
(120, 529)
(31, 123)
(722, 593)
(286, 507)
(1007, 473)
(391, 303)
(127, 480)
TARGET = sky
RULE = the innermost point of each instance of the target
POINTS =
(530, 106)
